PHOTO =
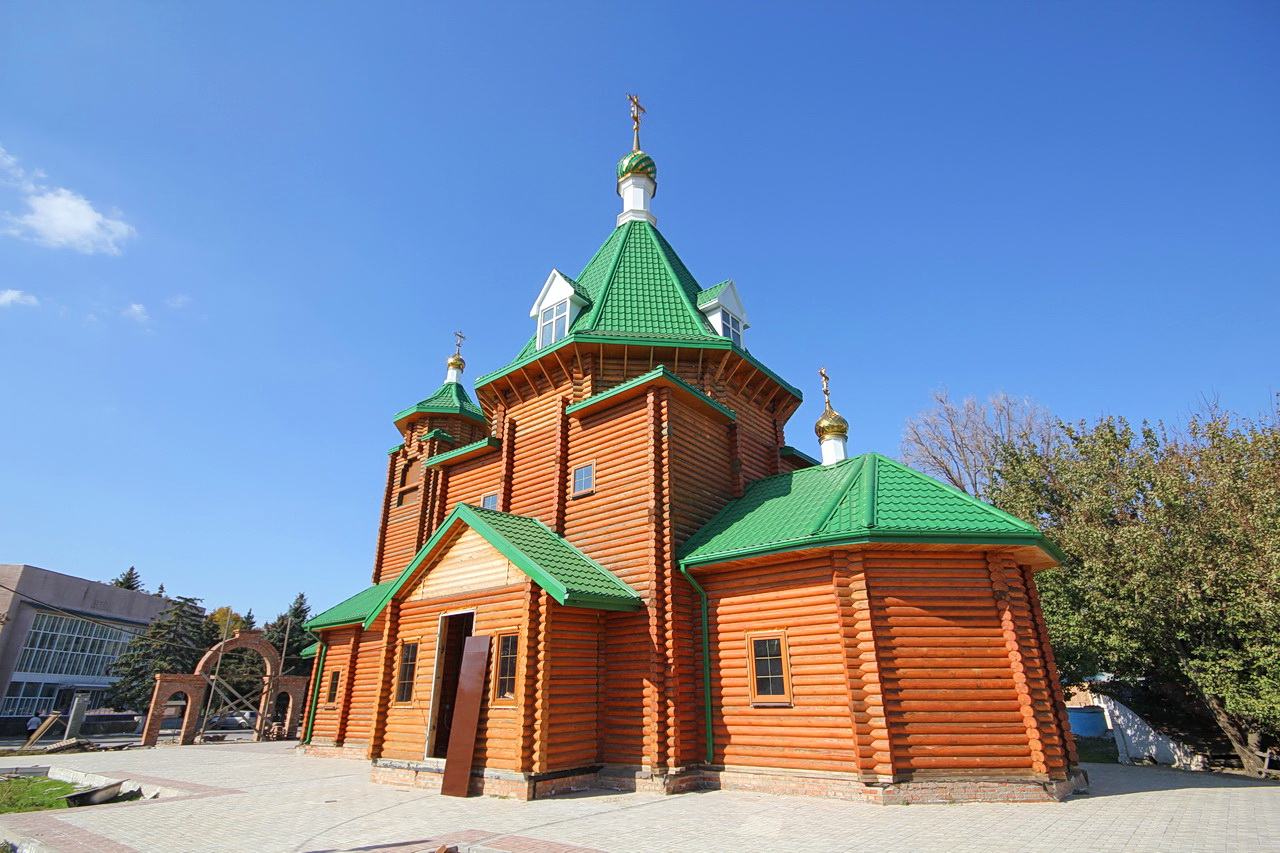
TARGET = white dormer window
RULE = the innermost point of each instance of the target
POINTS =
(731, 327)
(723, 309)
(554, 323)
(556, 308)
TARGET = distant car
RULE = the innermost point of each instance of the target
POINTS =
(234, 720)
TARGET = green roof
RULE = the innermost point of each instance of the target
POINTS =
(440, 434)
(309, 651)
(570, 576)
(708, 295)
(868, 498)
(623, 391)
(449, 399)
(465, 451)
(355, 609)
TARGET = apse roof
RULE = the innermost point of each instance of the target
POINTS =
(868, 498)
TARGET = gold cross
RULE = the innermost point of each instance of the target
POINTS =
(826, 387)
(636, 110)
(458, 346)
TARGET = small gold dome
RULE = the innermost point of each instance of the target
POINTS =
(455, 361)
(831, 424)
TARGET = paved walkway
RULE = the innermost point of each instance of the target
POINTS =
(263, 798)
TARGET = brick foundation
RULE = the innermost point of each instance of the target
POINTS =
(348, 750)
(841, 786)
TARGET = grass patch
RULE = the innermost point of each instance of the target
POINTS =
(33, 794)
(1099, 750)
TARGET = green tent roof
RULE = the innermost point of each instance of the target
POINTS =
(355, 609)
(449, 399)
(868, 498)
(570, 576)
(636, 286)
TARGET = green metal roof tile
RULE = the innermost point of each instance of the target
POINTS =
(484, 444)
(706, 296)
(570, 576)
(788, 450)
(449, 399)
(395, 449)
(865, 498)
(440, 434)
(309, 651)
(357, 608)
(658, 373)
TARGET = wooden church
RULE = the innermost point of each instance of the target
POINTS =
(612, 571)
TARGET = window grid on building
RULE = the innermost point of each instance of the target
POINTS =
(25, 698)
(408, 669)
(731, 327)
(333, 686)
(770, 678)
(67, 645)
(504, 683)
(489, 501)
(584, 478)
(553, 324)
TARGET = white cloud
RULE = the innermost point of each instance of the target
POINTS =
(136, 312)
(179, 301)
(58, 217)
(16, 297)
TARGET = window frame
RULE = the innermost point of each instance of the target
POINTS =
(412, 682)
(495, 697)
(548, 320)
(485, 498)
(335, 678)
(731, 327)
(769, 700)
(574, 491)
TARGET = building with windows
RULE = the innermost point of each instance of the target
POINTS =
(614, 571)
(59, 637)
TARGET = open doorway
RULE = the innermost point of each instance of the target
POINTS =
(454, 630)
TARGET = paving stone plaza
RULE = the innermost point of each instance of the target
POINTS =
(264, 798)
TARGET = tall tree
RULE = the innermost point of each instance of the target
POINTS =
(174, 642)
(129, 579)
(290, 622)
(1173, 546)
(959, 443)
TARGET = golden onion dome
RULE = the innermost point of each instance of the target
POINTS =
(831, 424)
(456, 363)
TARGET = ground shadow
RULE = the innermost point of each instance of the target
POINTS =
(1115, 780)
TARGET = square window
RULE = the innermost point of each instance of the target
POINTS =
(770, 668)
(584, 478)
(504, 670)
(489, 501)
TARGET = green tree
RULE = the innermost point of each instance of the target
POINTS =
(1173, 546)
(174, 642)
(290, 622)
(129, 579)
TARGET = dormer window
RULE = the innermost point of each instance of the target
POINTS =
(556, 308)
(731, 327)
(723, 309)
(553, 324)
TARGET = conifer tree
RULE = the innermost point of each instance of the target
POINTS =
(129, 579)
(299, 638)
(174, 642)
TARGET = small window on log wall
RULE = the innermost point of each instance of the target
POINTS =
(333, 686)
(770, 669)
(584, 478)
(408, 669)
(407, 497)
(409, 473)
(489, 501)
(504, 670)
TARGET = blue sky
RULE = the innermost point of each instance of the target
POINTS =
(236, 238)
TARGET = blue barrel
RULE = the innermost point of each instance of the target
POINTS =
(1088, 721)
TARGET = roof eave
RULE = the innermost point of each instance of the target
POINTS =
(882, 537)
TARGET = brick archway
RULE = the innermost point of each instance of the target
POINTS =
(197, 684)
